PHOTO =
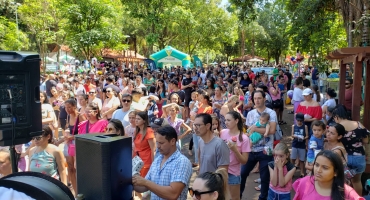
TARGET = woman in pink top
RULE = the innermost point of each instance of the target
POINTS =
(326, 181)
(239, 145)
(281, 173)
(93, 124)
(275, 94)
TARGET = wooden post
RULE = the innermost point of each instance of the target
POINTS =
(366, 99)
(356, 93)
(342, 82)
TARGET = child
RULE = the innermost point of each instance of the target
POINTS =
(299, 135)
(255, 137)
(216, 127)
(193, 107)
(280, 169)
(316, 143)
(131, 128)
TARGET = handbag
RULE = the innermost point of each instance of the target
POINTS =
(348, 172)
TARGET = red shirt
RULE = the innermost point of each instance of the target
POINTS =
(252, 76)
(348, 99)
(313, 111)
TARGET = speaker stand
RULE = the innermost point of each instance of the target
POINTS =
(13, 156)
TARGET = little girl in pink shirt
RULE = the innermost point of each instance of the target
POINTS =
(281, 173)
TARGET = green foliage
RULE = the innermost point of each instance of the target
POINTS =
(89, 26)
(316, 27)
(203, 25)
(10, 38)
(245, 9)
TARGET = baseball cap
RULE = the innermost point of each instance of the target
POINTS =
(299, 117)
(307, 91)
(159, 122)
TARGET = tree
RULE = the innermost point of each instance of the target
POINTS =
(10, 38)
(203, 25)
(156, 18)
(92, 25)
(316, 27)
(274, 19)
(44, 23)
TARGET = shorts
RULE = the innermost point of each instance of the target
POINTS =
(282, 104)
(297, 152)
(63, 123)
(234, 180)
(273, 195)
(356, 163)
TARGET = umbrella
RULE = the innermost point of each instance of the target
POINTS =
(255, 60)
(215, 63)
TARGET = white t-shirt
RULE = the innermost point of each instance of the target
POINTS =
(297, 94)
(329, 103)
(45, 109)
(203, 76)
(122, 116)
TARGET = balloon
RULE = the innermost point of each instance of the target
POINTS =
(292, 58)
(290, 94)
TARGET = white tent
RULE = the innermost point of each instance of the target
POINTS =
(255, 60)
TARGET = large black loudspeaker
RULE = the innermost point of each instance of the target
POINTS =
(104, 166)
(19, 73)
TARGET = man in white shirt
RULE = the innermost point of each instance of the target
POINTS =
(94, 99)
(122, 114)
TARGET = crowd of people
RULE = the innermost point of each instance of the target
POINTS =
(234, 117)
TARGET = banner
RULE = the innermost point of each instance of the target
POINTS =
(197, 61)
(151, 64)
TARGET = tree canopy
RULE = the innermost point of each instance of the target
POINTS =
(270, 29)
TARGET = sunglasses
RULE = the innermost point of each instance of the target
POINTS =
(91, 92)
(198, 194)
(347, 83)
(126, 101)
(38, 138)
(108, 90)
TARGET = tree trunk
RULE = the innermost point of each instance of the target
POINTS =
(350, 16)
(243, 44)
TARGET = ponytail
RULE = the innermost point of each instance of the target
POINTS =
(223, 174)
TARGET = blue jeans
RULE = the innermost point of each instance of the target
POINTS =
(263, 160)
(315, 82)
(195, 147)
(357, 163)
(275, 196)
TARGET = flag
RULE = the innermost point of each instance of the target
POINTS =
(197, 61)
(151, 64)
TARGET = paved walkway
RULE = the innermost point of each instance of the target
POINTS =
(249, 191)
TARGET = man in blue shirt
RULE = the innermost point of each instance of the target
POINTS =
(315, 74)
(169, 174)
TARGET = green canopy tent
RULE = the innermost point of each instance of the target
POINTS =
(170, 55)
